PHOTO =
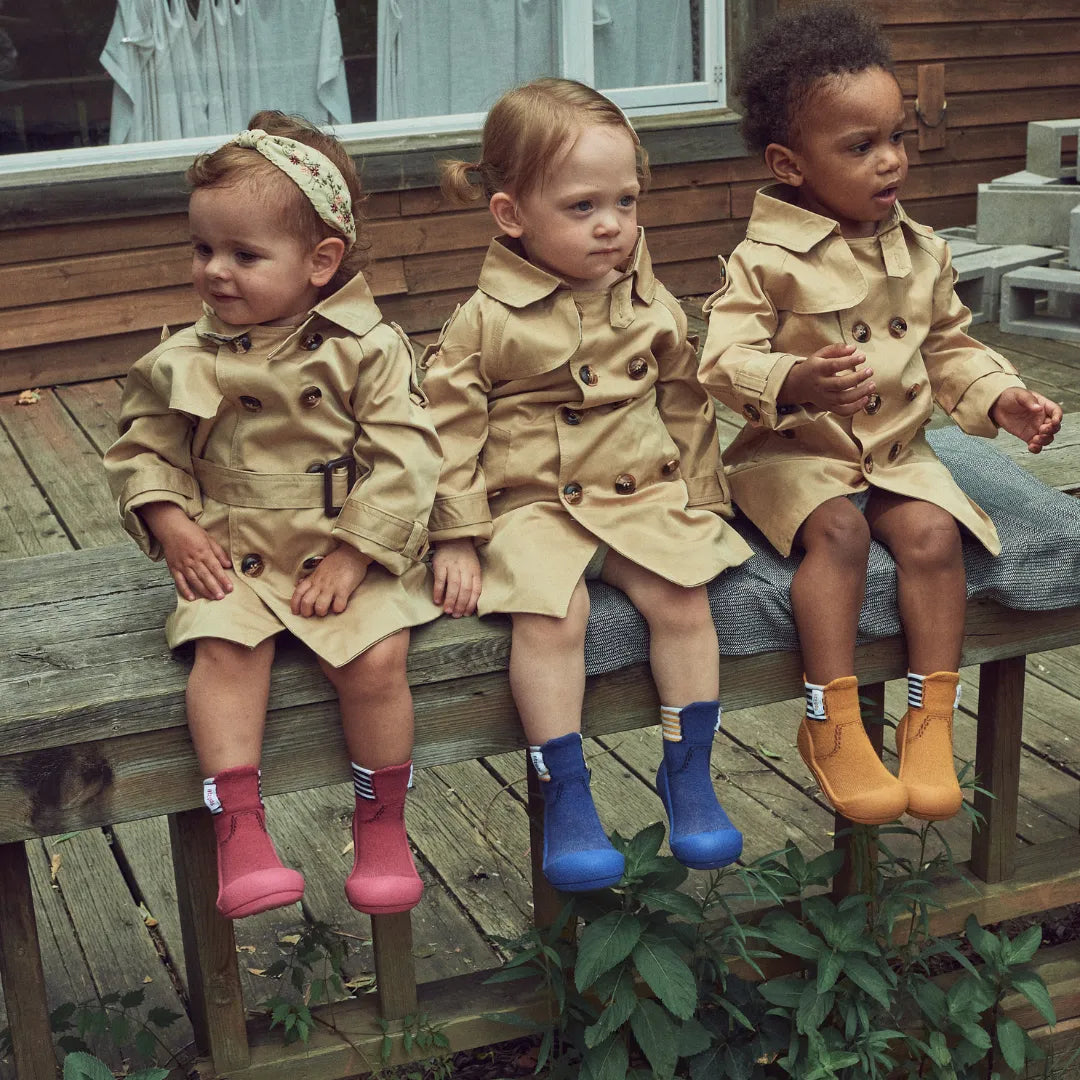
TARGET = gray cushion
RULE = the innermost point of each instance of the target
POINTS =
(1038, 569)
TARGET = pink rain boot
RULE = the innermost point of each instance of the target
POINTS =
(250, 875)
(383, 879)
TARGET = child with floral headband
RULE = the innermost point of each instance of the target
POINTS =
(579, 444)
(835, 332)
(278, 456)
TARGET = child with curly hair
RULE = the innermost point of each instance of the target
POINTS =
(835, 331)
(279, 457)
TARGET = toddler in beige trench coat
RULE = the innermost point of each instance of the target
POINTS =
(574, 430)
(834, 332)
(279, 456)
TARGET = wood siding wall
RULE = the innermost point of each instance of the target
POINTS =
(82, 301)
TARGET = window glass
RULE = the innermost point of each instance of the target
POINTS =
(84, 73)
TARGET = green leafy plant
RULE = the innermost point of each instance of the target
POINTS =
(83, 1066)
(417, 1033)
(647, 990)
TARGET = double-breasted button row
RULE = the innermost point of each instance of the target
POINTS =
(252, 565)
(860, 331)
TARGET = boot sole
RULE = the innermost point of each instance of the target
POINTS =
(263, 903)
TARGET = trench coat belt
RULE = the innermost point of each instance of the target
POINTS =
(267, 491)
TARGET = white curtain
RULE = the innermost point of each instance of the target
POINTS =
(177, 74)
(439, 57)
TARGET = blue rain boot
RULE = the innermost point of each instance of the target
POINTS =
(577, 853)
(701, 836)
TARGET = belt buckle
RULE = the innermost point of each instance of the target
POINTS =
(346, 462)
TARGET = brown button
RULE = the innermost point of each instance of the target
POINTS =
(625, 484)
(311, 342)
(252, 404)
(670, 467)
(588, 376)
(860, 332)
(240, 344)
(571, 417)
(751, 413)
(913, 391)
(723, 273)
(637, 368)
(251, 565)
(897, 326)
(868, 463)
(572, 493)
(873, 403)
(310, 396)
(894, 451)
(311, 562)
(786, 433)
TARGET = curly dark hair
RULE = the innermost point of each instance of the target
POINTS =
(782, 67)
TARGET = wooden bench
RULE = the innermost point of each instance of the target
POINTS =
(92, 718)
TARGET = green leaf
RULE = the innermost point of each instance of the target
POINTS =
(829, 971)
(644, 845)
(1034, 989)
(617, 1007)
(133, 998)
(866, 978)
(608, 1061)
(144, 1043)
(667, 975)
(162, 1018)
(82, 1066)
(120, 1029)
(149, 1074)
(603, 944)
(782, 931)
(1022, 948)
(1010, 1037)
(785, 992)
(711, 1064)
(655, 1033)
(692, 1038)
(982, 941)
(72, 1044)
(675, 902)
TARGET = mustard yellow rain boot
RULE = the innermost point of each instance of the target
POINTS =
(838, 752)
(924, 743)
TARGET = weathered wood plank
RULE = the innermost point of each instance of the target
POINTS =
(960, 11)
(93, 237)
(27, 524)
(95, 407)
(945, 41)
(64, 463)
(1054, 68)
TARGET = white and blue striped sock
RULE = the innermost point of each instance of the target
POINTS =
(915, 690)
(815, 701)
(363, 787)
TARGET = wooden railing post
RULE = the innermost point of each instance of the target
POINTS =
(847, 880)
(395, 970)
(997, 767)
(546, 900)
(217, 1001)
(20, 969)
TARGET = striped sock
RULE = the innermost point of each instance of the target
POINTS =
(815, 701)
(362, 779)
(914, 690)
(671, 724)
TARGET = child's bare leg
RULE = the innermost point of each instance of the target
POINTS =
(547, 669)
(827, 590)
(683, 651)
(227, 695)
(685, 660)
(547, 678)
(925, 543)
(826, 595)
(377, 719)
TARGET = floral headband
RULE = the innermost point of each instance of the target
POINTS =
(312, 172)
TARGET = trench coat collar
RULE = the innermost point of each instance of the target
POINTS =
(776, 219)
(507, 276)
(352, 307)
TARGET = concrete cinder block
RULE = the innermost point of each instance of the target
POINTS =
(1025, 179)
(979, 274)
(1044, 147)
(1026, 215)
(1074, 238)
(961, 240)
(1022, 310)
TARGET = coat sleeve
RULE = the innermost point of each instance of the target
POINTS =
(397, 450)
(458, 389)
(966, 376)
(688, 414)
(151, 460)
(738, 363)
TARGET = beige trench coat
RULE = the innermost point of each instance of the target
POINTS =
(795, 285)
(570, 420)
(226, 421)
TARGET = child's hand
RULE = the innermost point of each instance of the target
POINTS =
(1028, 416)
(195, 559)
(830, 379)
(331, 584)
(457, 576)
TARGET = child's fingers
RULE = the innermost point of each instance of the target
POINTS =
(474, 596)
(220, 553)
(438, 591)
(836, 350)
(182, 587)
(453, 588)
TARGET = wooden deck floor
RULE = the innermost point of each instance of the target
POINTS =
(106, 903)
